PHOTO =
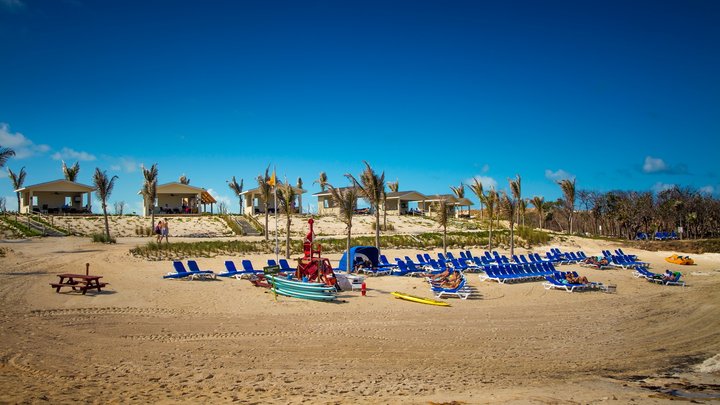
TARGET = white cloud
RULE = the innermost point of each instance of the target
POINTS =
(22, 146)
(225, 199)
(558, 175)
(68, 153)
(487, 182)
(485, 168)
(654, 165)
(124, 164)
(707, 190)
(659, 186)
(12, 4)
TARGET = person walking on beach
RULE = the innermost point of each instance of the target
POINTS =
(165, 231)
(158, 231)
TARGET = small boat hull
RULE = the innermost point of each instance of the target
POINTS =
(307, 295)
(421, 300)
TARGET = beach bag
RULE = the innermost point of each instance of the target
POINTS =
(157, 229)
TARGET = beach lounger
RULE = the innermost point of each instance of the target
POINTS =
(285, 267)
(462, 291)
(557, 281)
(180, 272)
(232, 271)
(658, 278)
(199, 274)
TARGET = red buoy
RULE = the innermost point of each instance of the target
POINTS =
(363, 289)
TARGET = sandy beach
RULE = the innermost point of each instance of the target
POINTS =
(146, 339)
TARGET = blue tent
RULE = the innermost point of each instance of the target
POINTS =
(358, 253)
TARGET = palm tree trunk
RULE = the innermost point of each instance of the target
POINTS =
(377, 229)
(347, 245)
(107, 224)
(18, 197)
(445, 239)
(490, 234)
(512, 238)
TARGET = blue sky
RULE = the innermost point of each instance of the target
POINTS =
(618, 94)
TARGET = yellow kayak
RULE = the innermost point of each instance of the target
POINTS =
(421, 300)
(676, 259)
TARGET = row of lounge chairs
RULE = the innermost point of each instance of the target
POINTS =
(660, 235)
(192, 272)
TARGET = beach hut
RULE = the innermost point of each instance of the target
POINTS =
(460, 206)
(56, 197)
(398, 202)
(326, 204)
(178, 198)
(252, 201)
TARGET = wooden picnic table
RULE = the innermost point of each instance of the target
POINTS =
(78, 282)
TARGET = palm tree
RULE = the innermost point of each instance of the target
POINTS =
(459, 191)
(238, 189)
(568, 188)
(265, 191)
(71, 173)
(522, 206)
(17, 180)
(149, 190)
(441, 209)
(477, 188)
(371, 187)
(322, 181)
(515, 187)
(184, 180)
(5, 154)
(104, 188)
(345, 199)
(509, 205)
(491, 202)
(287, 195)
(538, 203)
(394, 186)
(384, 203)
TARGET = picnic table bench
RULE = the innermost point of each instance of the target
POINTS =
(78, 282)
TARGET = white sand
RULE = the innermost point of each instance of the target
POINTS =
(146, 339)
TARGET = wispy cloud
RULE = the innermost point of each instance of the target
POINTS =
(558, 175)
(654, 165)
(707, 190)
(22, 146)
(660, 186)
(12, 4)
(223, 198)
(122, 164)
(68, 153)
(486, 181)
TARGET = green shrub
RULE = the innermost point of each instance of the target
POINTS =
(102, 238)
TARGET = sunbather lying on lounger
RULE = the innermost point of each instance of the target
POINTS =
(594, 261)
(452, 281)
(436, 278)
(575, 280)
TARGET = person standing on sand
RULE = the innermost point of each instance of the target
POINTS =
(165, 232)
(158, 231)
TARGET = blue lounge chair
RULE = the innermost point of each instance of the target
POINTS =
(200, 274)
(180, 272)
(462, 291)
(285, 267)
(557, 281)
(248, 269)
(232, 271)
